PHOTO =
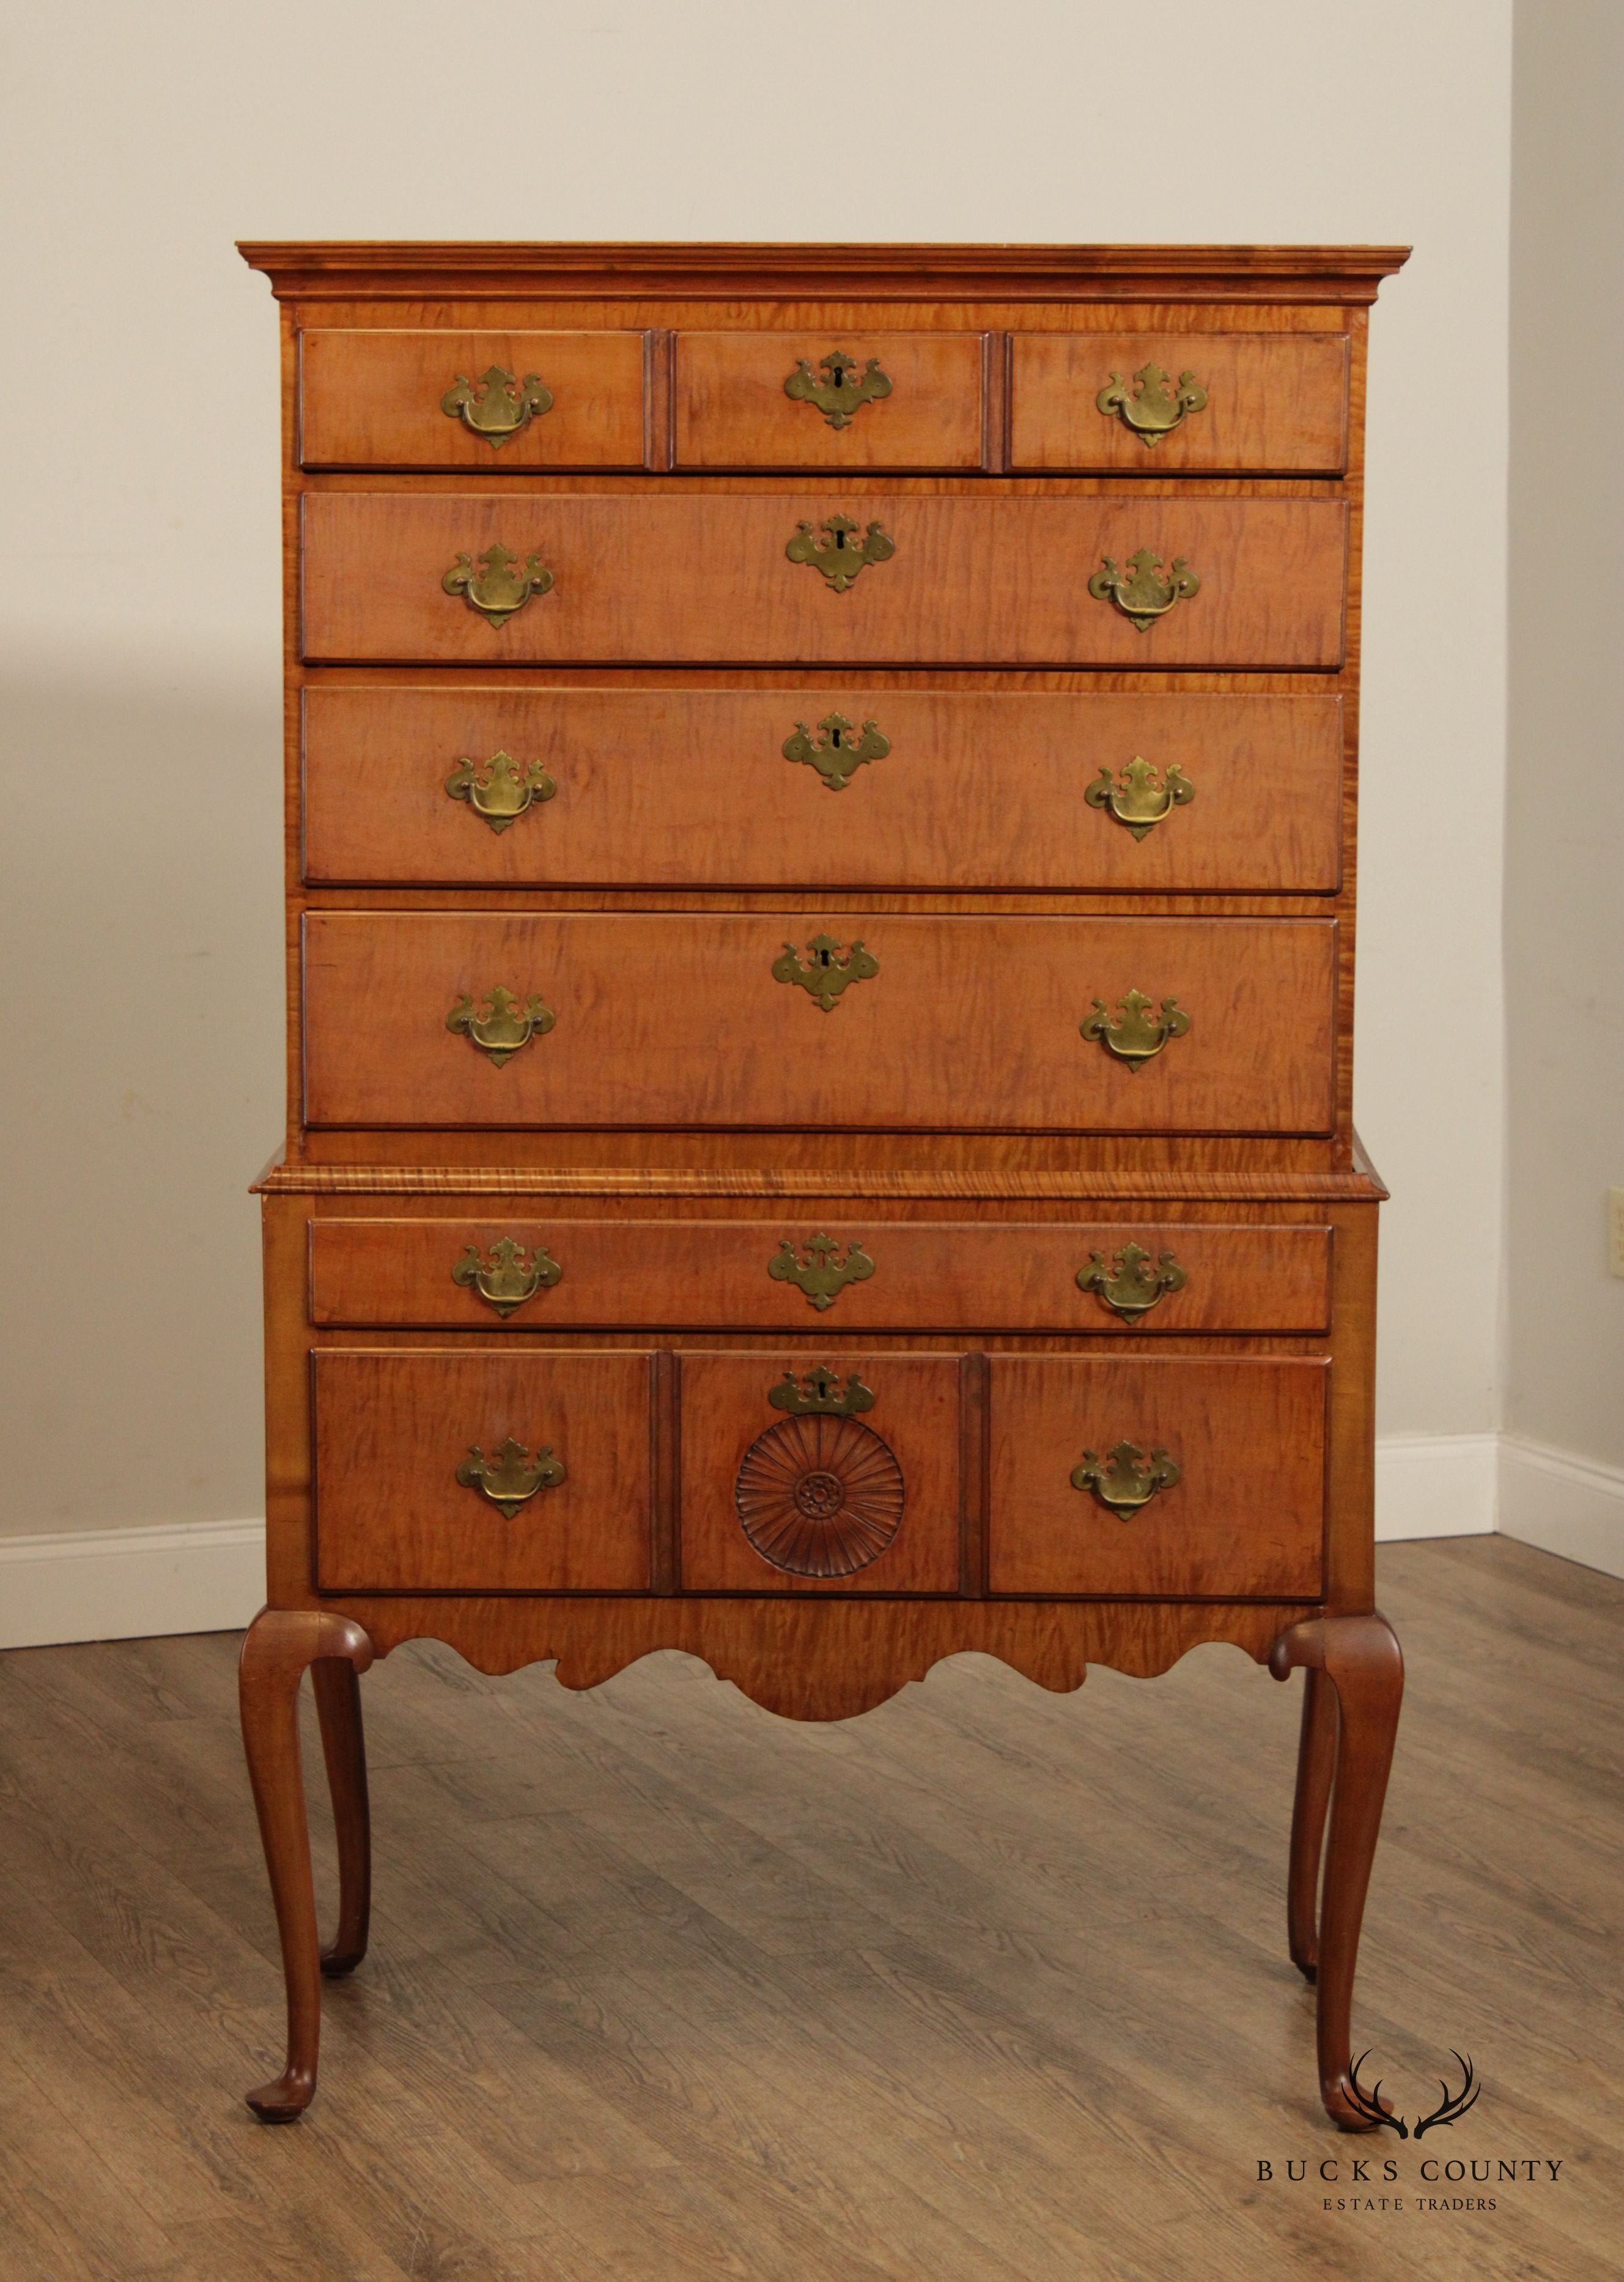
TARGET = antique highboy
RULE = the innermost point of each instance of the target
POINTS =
(820, 796)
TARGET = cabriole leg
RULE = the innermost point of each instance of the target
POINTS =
(1315, 1760)
(343, 1747)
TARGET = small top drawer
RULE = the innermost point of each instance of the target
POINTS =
(498, 401)
(1156, 404)
(828, 400)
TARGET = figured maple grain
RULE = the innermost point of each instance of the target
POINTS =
(731, 411)
(1275, 402)
(1247, 1516)
(678, 1019)
(704, 578)
(977, 790)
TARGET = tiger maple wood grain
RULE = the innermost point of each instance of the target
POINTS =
(1274, 402)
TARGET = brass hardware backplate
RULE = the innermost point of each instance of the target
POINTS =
(1137, 797)
(1137, 1034)
(1124, 1480)
(496, 405)
(836, 394)
(818, 1269)
(835, 554)
(819, 1390)
(1130, 1286)
(506, 1276)
(836, 754)
(1150, 408)
(828, 974)
(512, 1477)
(503, 792)
(496, 590)
(503, 1026)
(1139, 592)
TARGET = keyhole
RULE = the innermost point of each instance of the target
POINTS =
(824, 957)
(834, 737)
(839, 538)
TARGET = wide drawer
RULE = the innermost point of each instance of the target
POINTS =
(496, 401)
(651, 577)
(881, 787)
(1166, 403)
(860, 401)
(1171, 1475)
(790, 1274)
(840, 1475)
(488, 1473)
(819, 1019)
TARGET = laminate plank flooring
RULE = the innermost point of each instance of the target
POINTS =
(988, 1986)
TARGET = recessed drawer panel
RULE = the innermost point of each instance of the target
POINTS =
(792, 1274)
(1154, 1475)
(841, 788)
(505, 578)
(819, 1019)
(837, 1474)
(859, 401)
(1158, 404)
(493, 401)
(482, 1473)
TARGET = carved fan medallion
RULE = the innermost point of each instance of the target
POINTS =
(819, 1496)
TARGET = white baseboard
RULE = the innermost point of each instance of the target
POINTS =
(1436, 1486)
(1563, 1504)
(128, 1584)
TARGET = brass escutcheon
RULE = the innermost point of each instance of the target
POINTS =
(503, 1028)
(1150, 408)
(819, 1390)
(828, 976)
(1129, 1286)
(502, 792)
(837, 395)
(1136, 797)
(496, 405)
(837, 753)
(1137, 1034)
(506, 1276)
(1140, 593)
(512, 1477)
(817, 1269)
(1124, 1480)
(496, 590)
(834, 554)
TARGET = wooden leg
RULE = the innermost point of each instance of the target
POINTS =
(280, 1643)
(344, 1746)
(1359, 1657)
(1316, 1759)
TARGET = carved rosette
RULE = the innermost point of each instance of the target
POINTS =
(819, 1496)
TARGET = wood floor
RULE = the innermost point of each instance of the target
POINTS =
(988, 1986)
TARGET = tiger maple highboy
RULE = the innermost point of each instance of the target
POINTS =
(820, 794)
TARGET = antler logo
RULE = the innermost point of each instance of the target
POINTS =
(1449, 2109)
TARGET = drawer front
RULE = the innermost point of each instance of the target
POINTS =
(791, 1274)
(862, 401)
(654, 578)
(447, 400)
(682, 1020)
(841, 1475)
(1269, 402)
(627, 787)
(1082, 1493)
(482, 1473)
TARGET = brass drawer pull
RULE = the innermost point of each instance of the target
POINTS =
(837, 753)
(817, 1269)
(501, 793)
(496, 590)
(1124, 1480)
(1135, 797)
(1150, 408)
(829, 975)
(512, 1477)
(1140, 593)
(818, 1393)
(1137, 1034)
(502, 1028)
(837, 396)
(834, 554)
(496, 405)
(1129, 1286)
(506, 1278)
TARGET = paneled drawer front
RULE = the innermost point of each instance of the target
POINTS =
(1268, 402)
(488, 1473)
(1158, 1476)
(675, 788)
(662, 577)
(378, 399)
(864, 400)
(680, 1019)
(837, 1475)
(793, 1274)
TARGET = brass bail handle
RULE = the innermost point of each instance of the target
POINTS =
(503, 1026)
(496, 405)
(1124, 1480)
(1129, 1285)
(1150, 408)
(506, 1276)
(1137, 796)
(511, 1478)
(1134, 1035)
(501, 792)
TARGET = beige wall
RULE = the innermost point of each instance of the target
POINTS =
(1565, 848)
(140, 651)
